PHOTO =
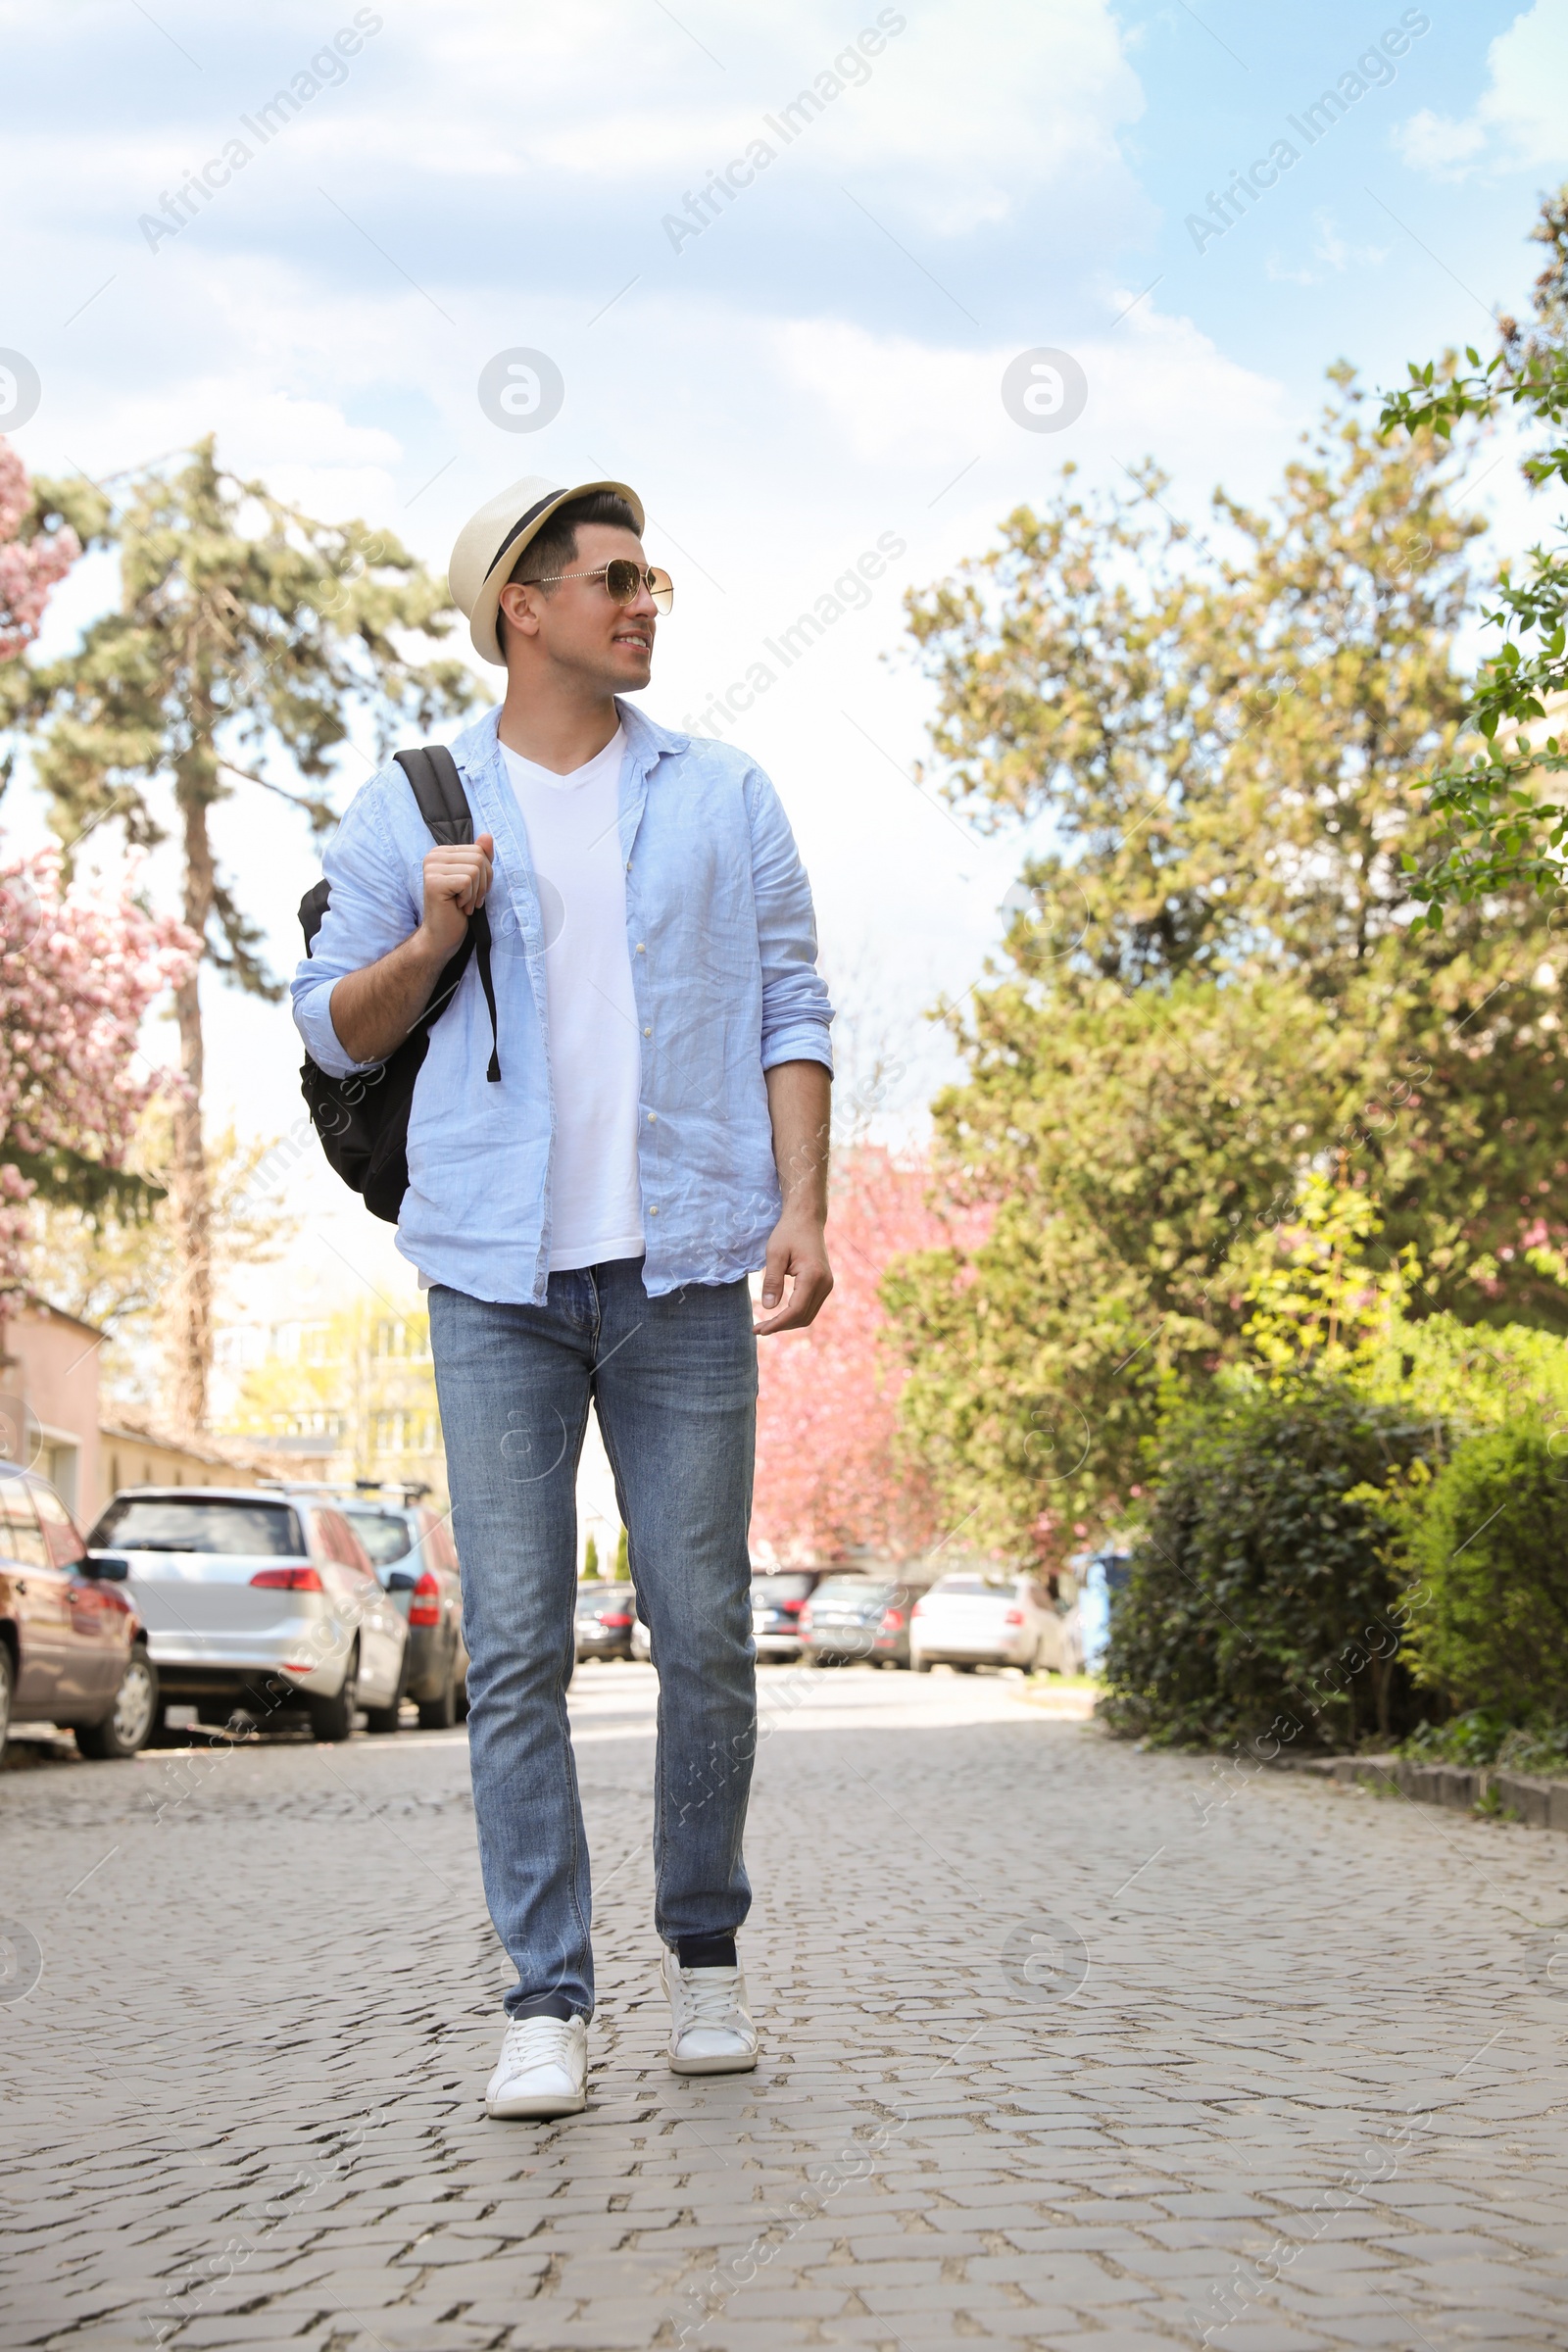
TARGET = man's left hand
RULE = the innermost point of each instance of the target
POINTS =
(796, 1253)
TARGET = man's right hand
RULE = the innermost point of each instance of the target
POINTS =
(456, 882)
(373, 1010)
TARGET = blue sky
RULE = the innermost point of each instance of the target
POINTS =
(818, 368)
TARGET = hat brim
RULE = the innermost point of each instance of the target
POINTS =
(526, 528)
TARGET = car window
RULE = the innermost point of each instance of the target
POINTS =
(780, 1588)
(340, 1543)
(384, 1534)
(21, 1535)
(992, 1585)
(870, 1589)
(65, 1546)
(591, 1598)
(223, 1524)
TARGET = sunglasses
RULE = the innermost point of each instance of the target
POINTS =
(624, 581)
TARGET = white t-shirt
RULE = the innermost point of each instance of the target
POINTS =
(573, 832)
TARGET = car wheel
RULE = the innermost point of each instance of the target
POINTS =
(128, 1727)
(440, 1714)
(965, 1665)
(919, 1664)
(7, 1674)
(332, 1719)
(385, 1719)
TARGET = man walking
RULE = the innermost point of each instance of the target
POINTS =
(587, 1194)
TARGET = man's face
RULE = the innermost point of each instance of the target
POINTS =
(578, 627)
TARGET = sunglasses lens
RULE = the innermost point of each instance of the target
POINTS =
(622, 581)
(661, 588)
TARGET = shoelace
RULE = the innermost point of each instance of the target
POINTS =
(709, 1994)
(533, 2041)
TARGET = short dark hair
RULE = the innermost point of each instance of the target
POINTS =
(554, 547)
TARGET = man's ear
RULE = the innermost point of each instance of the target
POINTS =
(516, 616)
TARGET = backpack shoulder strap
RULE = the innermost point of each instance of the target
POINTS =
(437, 788)
(438, 792)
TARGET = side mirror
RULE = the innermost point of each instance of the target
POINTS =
(398, 1579)
(106, 1564)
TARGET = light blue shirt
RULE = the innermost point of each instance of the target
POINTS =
(723, 944)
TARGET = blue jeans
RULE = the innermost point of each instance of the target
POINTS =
(674, 1383)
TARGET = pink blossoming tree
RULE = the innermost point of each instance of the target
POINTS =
(78, 966)
(31, 561)
(831, 1478)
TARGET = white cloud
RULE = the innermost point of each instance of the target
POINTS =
(1519, 123)
(1332, 255)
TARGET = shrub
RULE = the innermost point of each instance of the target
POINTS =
(1264, 1603)
(1490, 1555)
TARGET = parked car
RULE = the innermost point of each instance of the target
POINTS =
(410, 1548)
(1102, 1578)
(259, 1601)
(73, 1648)
(778, 1596)
(993, 1617)
(607, 1615)
(861, 1616)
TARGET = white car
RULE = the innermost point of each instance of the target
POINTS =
(994, 1617)
(258, 1601)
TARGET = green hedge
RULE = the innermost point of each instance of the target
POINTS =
(1264, 1603)
(1490, 1555)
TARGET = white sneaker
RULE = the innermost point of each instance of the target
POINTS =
(710, 2029)
(543, 2069)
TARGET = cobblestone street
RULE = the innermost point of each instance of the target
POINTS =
(1310, 2091)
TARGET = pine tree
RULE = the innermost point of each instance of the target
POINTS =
(245, 631)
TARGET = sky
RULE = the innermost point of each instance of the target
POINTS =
(804, 361)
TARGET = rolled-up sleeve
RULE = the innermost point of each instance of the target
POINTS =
(370, 912)
(796, 1008)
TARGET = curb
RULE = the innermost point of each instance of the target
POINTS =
(1538, 1805)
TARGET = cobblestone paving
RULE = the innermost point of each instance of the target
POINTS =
(1310, 2091)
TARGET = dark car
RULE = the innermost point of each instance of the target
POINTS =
(606, 1616)
(861, 1616)
(412, 1553)
(72, 1650)
(778, 1595)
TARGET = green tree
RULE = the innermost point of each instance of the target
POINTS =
(1497, 831)
(1263, 1604)
(1209, 986)
(245, 632)
(113, 1261)
(1487, 1545)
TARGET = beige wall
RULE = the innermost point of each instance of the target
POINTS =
(49, 1398)
(137, 1457)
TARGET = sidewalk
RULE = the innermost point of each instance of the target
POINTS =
(1063, 2043)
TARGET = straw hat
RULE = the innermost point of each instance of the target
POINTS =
(491, 541)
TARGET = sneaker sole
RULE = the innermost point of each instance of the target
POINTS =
(540, 2109)
(712, 2066)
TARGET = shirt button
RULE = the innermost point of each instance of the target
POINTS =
(641, 950)
(653, 1212)
(648, 1030)
(653, 1118)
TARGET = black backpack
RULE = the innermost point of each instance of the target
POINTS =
(363, 1120)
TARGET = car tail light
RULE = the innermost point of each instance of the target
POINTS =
(619, 1623)
(1014, 1617)
(918, 1610)
(891, 1620)
(425, 1601)
(792, 1608)
(288, 1580)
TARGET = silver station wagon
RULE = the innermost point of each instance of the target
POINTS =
(260, 1601)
